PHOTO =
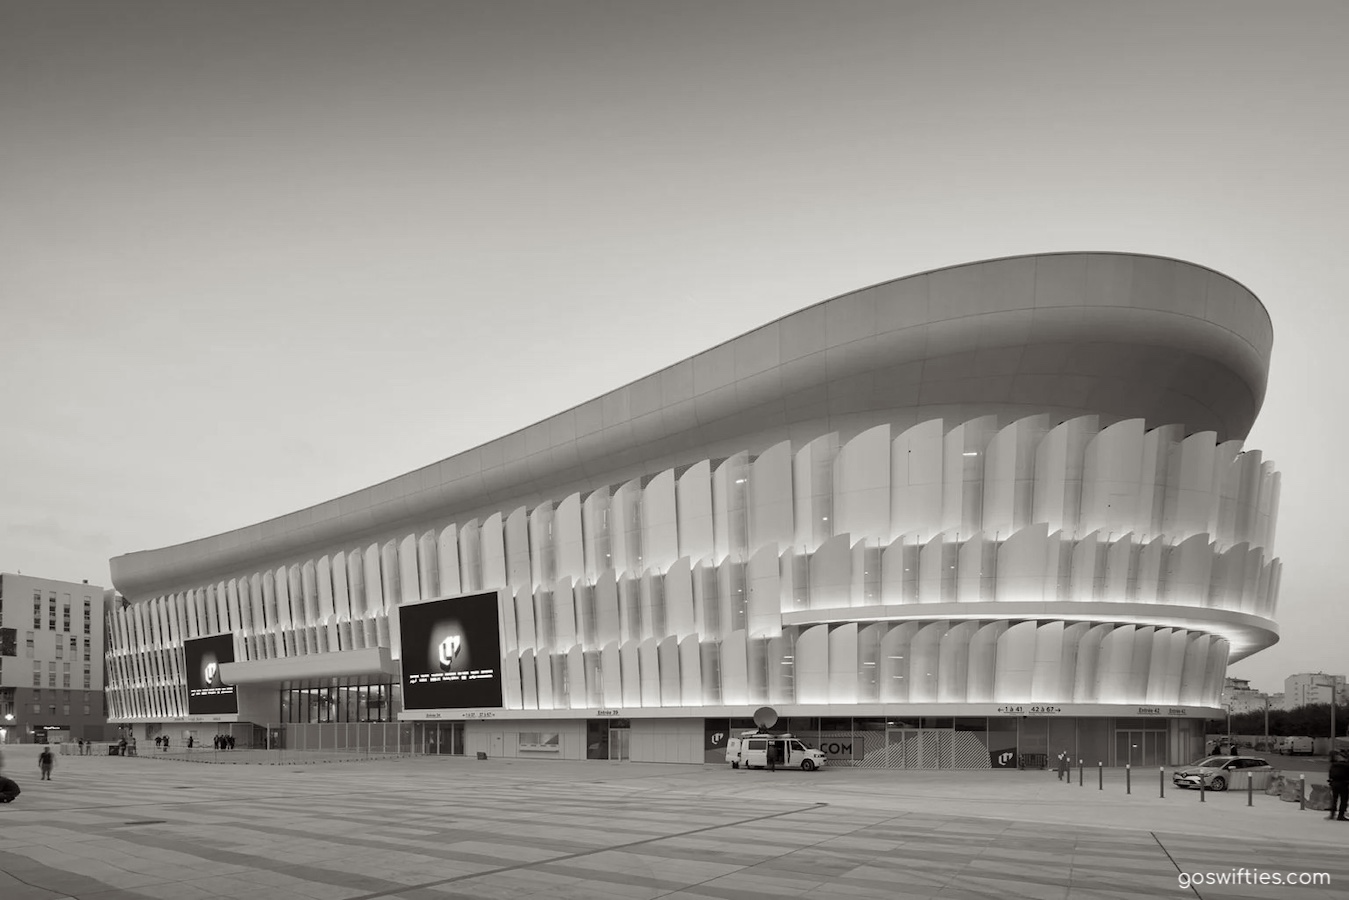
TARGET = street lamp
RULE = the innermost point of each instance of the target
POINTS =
(1331, 684)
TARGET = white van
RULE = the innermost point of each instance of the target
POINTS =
(751, 750)
(1296, 745)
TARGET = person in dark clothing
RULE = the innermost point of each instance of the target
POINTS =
(8, 789)
(1339, 785)
(772, 756)
(1064, 764)
(45, 762)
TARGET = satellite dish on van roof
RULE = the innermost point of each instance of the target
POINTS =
(765, 717)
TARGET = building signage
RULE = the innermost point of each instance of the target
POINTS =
(207, 693)
(608, 712)
(1030, 710)
(451, 653)
(1163, 711)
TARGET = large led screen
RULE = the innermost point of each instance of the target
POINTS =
(207, 694)
(451, 653)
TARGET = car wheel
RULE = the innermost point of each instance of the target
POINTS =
(1219, 783)
(807, 765)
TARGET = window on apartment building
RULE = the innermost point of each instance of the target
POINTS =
(37, 709)
(37, 609)
(28, 644)
(52, 709)
(51, 611)
(86, 709)
(86, 647)
(9, 642)
(65, 710)
(88, 678)
(59, 651)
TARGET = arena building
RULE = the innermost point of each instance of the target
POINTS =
(967, 518)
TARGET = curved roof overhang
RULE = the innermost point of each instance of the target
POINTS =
(1111, 334)
(1246, 633)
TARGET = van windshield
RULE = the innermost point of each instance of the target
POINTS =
(797, 745)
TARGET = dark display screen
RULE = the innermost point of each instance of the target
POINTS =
(207, 694)
(451, 653)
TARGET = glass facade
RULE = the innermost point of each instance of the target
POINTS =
(348, 700)
(926, 742)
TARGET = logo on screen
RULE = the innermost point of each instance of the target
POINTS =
(449, 649)
(210, 673)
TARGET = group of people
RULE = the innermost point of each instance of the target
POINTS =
(220, 741)
(85, 747)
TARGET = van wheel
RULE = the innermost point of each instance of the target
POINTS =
(807, 765)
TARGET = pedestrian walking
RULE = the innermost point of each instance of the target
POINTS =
(45, 762)
(1339, 785)
(1064, 763)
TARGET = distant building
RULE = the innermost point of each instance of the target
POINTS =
(1313, 687)
(51, 660)
(1239, 697)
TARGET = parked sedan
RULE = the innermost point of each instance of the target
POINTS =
(1217, 771)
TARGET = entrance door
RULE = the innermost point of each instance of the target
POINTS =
(904, 748)
(441, 739)
(618, 743)
(1154, 748)
(1140, 748)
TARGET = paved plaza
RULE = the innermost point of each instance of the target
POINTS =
(109, 828)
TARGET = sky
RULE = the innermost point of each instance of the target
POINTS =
(255, 255)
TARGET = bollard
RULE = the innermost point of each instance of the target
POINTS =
(1302, 792)
(1203, 783)
(1161, 780)
(1128, 779)
(1100, 776)
(1080, 770)
(1250, 789)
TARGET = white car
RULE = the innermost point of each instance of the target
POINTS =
(1216, 772)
